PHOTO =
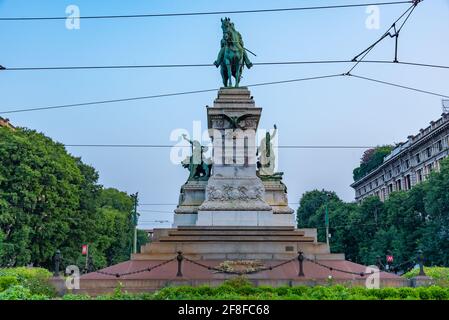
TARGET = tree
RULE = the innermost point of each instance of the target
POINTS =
(311, 211)
(39, 191)
(50, 200)
(142, 239)
(371, 159)
(435, 240)
(116, 227)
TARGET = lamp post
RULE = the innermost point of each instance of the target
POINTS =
(326, 219)
(134, 220)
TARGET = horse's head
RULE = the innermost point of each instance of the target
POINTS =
(225, 24)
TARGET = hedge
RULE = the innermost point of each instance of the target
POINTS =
(22, 279)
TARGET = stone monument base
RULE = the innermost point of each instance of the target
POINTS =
(206, 248)
(235, 218)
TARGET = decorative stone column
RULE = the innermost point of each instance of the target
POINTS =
(235, 195)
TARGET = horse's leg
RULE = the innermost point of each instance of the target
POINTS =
(238, 72)
(228, 66)
(223, 75)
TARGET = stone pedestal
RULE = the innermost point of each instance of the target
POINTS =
(192, 195)
(422, 281)
(235, 195)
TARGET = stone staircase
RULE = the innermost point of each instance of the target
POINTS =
(231, 243)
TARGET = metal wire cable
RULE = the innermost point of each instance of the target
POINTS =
(155, 146)
(399, 86)
(160, 95)
(199, 65)
(209, 13)
(365, 52)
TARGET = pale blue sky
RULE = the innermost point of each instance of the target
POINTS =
(337, 111)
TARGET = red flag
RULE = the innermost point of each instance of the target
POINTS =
(85, 249)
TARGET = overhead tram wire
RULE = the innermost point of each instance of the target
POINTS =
(166, 146)
(183, 14)
(399, 86)
(212, 90)
(365, 52)
(201, 65)
(161, 95)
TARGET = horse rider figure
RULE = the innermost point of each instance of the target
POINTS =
(232, 56)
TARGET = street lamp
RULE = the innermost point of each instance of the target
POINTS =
(326, 218)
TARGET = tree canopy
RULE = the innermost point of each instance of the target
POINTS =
(371, 159)
(50, 200)
(405, 223)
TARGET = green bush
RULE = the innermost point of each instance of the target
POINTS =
(33, 279)
(18, 292)
(242, 290)
(7, 281)
(439, 274)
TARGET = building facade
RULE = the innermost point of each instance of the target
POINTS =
(409, 163)
(5, 123)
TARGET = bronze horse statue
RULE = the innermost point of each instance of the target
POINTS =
(232, 57)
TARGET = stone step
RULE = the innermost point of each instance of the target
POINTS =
(239, 256)
(234, 247)
(236, 233)
(236, 238)
(232, 228)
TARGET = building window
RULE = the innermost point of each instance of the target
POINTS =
(418, 158)
(429, 152)
(390, 188)
(377, 183)
(390, 174)
(398, 169)
(370, 185)
(398, 185)
(407, 163)
(419, 176)
(440, 145)
(408, 183)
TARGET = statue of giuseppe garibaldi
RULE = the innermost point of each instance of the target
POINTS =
(232, 56)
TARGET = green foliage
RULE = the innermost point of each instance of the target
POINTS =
(311, 211)
(404, 223)
(238, 282)
(371, 159)
(7, 281)
(142, 239)
(440, 275)
(435, 242)
(20, 293)
(33, 279)
(248, 292)
(241, 289)
(50, 200)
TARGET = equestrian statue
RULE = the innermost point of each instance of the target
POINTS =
(232, 56)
